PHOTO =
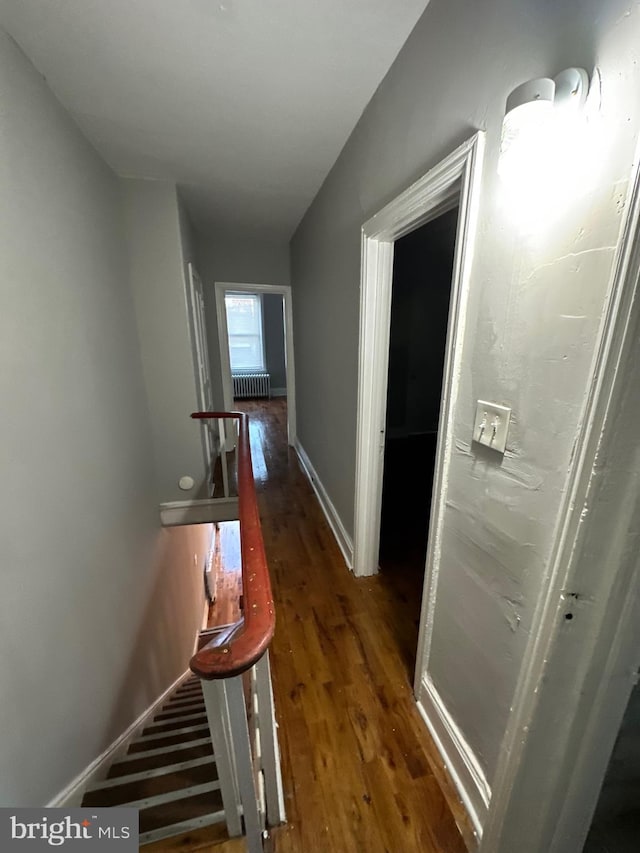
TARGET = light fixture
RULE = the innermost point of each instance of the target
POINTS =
(525, 126)
(533, 108)
(542, 145)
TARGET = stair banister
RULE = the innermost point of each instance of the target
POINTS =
(242, 646)
(222, 662)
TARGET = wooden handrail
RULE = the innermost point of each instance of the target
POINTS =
(237, 648)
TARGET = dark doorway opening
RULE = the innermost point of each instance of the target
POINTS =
(616, 822)
(422, 274)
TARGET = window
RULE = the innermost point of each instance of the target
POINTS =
(244, 323)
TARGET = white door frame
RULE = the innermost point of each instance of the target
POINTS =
(284, 290)
(200, 353)
(454, 180)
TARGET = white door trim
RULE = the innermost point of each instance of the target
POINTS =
(200, 353)
(222, 287)
(455, 179)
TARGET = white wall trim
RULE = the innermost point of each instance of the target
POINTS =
(71, 796)
(345, 543)
(199, 339)
(460, 760)
(175, 513)
(222, 287)
(455, 178)
(278, 392)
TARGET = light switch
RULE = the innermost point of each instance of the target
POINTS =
(491, 425)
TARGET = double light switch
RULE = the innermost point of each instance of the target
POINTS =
(491, 425)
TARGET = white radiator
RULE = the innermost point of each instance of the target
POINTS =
(251, 385)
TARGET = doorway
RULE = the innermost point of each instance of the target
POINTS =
(421, 289)
(453, 182)
(616, 821)
(270, 307)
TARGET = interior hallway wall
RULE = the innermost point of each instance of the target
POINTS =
(533, 315)
(92, 589)
(160, 247)
(274, 344)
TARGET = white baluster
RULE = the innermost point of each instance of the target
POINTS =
(269, 743)
(218, 715)
(223, 456)
(244, 763)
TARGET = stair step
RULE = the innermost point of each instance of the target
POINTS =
(173, 710)
(187, 693)
(165, 770)
(170, 738)
(169, 735)
(174, 722)
(188, 808)
(191, 693)
(134, 793)
(187, 828)
(156, 758)
(189, 689)
(175, 794)
(163, 750)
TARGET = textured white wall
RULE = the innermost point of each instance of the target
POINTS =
(99, 607)
(534, 311)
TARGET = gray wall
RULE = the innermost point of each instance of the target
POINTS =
(99, 607)
(533, 315)
(273, 323)
(243, 258)
(157, 263)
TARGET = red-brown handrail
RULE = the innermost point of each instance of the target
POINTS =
(239, 647)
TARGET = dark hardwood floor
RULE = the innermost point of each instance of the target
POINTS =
(361, 774)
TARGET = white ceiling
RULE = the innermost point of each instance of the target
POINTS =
(245, 103)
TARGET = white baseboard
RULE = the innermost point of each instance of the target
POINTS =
(278, 392)
(345, 542)
(71, 796)
(460, 760)
(174, 513)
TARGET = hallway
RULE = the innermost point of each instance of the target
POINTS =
(360, 773)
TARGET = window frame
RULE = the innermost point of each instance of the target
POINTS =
(257, 298)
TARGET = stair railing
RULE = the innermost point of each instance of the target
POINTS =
(233, 664)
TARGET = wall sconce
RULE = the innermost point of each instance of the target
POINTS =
(534, 111)
(542, 144)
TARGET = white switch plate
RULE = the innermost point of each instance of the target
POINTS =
(491, 425)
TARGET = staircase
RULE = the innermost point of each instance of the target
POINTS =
(210, 757)
(169, 772)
